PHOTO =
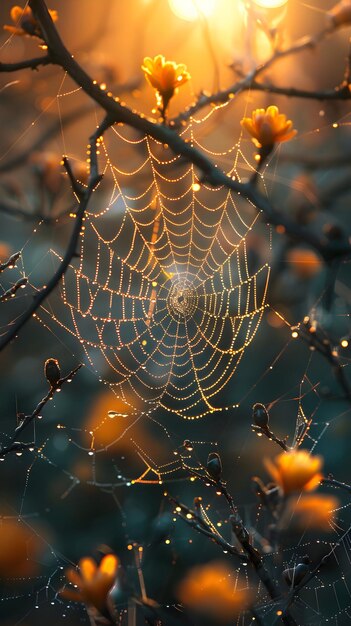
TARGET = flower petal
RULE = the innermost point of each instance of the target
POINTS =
(71, 594)
(109, 565)
(88, 568)
(17, 13)
(73, 577)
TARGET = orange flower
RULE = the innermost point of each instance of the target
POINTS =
(340, 14)
(295, 470)
(312, 512)
(25, 22)
(304, 263)
(213, 590)
(165, 77)
(94, 582)
(268, 127)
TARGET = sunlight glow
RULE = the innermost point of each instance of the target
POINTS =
(270, 4)
(192, 9)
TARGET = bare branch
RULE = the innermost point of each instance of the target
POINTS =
(316, 337)
(11, 292)
(335, 483)
(249, 82)
(30, 63)
(194, 520)
(25, 420)
(315, 571)
(11, 262)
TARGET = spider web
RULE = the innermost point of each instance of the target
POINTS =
(163, 290)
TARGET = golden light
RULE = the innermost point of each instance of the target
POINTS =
(270, 4)
(272, 12)
(191, 10)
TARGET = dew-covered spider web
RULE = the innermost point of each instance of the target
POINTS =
(164, 295)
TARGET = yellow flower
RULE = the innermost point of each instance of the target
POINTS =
(165, 77)
(25, 22)
(94, 582)
(268, 127)
(312, 512)
(340, 14)
(296, 470)
(213, 590)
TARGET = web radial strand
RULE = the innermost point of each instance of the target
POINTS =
(168, 292)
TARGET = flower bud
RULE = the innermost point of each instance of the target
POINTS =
(52, 372)
(294, 575)
(188, 445)
(340, 14)
(214, 466)
(260, 415)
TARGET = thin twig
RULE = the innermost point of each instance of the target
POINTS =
(341, 92)
(25, 420)
(243, 536)
(336, 483)
(249, 82)
(28, 64)
(11, 292)
(313, 573)
(265, 430)
(195, 521)
(17, 212)
(315, 337)
(11, 262)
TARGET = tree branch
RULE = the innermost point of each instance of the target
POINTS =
(190, 517)
(243, 536)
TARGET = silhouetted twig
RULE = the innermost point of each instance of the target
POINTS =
(25, 420)
(195, 521)
(213, 475)
(314, 572)
(28, 64)
(317, 338)
(335, 483)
